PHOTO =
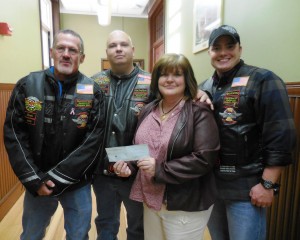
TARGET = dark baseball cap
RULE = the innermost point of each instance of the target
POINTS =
(224, 30)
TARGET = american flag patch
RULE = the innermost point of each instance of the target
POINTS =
(240, 81)
(144, 79)
(84, 88)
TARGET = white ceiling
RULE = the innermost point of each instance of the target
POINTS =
(120, 8)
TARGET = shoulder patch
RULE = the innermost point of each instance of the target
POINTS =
(144, 79)
(84, 88)
(240, 81)
(32, 104)
(103, 81)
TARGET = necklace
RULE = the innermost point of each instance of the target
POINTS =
(164, 115)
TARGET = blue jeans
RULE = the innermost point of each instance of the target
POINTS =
(237, 220)
(77, 207)
(110, 192)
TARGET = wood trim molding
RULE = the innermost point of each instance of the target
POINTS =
(7, 86)
(154, 6)
(156, 9)
(55, 15)
(293, 88)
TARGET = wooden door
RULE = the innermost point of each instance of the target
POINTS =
(157, 32)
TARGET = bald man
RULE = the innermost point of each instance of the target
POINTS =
(127, 90)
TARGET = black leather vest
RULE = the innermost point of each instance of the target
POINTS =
(122, 109)
(240, 153)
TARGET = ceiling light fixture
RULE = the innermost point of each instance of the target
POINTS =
(104, 12)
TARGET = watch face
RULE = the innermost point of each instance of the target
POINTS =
(267, 184)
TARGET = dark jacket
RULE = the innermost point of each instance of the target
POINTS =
(54, 136)
(191, 155)
(255, 124)
(124, 98)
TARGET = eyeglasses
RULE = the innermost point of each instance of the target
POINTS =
(71, 51)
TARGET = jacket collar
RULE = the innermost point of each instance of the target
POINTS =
(124, 77)
(72, 79)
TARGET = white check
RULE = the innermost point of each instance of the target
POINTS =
(127, 153)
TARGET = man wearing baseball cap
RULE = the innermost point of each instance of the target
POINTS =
(257, 135)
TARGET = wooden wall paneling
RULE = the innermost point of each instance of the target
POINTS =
(284, 215)
(5, 178)
(294, 231)
(10, 187)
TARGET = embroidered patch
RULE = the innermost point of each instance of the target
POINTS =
(81, 120)
(140, 93)
(240, 81)
(232, 99)
(229, 116)
(32, 104)
(30, 118)
(84, 88)
(144, 79)
(138, 107)
(79, 103)
(72, 112)
(103, 82)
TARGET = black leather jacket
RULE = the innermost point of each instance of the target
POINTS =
(52, 137)
(124, 98)
(255, 124)
(191, 155)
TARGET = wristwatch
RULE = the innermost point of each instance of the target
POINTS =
(270, 185)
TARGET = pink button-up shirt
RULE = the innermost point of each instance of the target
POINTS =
(156, 134)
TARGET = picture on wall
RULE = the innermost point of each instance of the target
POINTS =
(207, 16)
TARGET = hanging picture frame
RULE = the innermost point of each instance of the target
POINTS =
(206, 17)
